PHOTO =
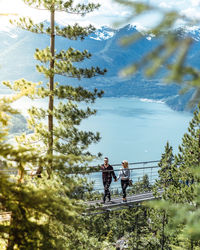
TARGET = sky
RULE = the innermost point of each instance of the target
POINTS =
(108, 13)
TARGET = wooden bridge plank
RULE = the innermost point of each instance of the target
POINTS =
(137, 198)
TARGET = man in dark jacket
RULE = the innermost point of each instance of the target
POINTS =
(107, 175)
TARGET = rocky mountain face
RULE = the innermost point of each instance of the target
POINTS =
(17, 49)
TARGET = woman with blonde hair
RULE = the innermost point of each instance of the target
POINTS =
(124, 174)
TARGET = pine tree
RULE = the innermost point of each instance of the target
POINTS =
(44, 213)
(60, 136)
(44, 210)
(165, 164)
(168, 179)
(190, 148)
(188, 159)
(176, 173)
(181, 195)
(179, 176)
(24, 202)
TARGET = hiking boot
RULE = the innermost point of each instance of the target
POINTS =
(124, 200)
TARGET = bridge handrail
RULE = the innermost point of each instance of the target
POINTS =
(130, 163)
(99, 166)
(136, 163)
(116, 170)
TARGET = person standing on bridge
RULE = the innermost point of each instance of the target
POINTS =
(107, 175)
(124, 174)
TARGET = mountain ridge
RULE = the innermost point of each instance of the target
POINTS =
(106, 53)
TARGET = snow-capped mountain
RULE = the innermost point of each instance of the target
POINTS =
(17, 49)
(192, 31)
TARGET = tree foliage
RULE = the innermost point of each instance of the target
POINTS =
(59, 133)
(179, 174)
(171, 51)
(181, 194)
(45, 213)
(28, 203)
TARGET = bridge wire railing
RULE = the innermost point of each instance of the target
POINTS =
(140, 172)
(150, 171)
(95, 175)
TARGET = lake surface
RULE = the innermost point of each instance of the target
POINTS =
(136, 129)
(132, 129)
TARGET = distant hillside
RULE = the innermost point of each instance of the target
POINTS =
(16, 61)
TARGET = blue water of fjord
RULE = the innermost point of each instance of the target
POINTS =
(135, 130)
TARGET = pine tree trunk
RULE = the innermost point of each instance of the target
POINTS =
(51, 88)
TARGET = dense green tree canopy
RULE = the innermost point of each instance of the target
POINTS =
(45, 212)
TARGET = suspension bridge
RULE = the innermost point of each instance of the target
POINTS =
(138, 170)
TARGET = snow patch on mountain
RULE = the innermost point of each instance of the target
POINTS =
(194, 32)
(104, 33)
(103, 36)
